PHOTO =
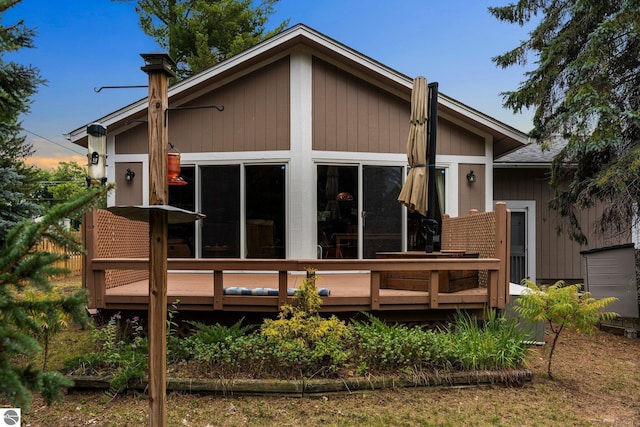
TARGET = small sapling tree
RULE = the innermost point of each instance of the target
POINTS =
(562, 306)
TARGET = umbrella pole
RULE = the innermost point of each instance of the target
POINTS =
(429, 223)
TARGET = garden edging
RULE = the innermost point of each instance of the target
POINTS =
(306, 387)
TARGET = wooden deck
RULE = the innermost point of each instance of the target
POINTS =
(356, 286)
(350, 292)
(116, 271)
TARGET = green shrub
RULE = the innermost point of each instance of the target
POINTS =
(121, 350)
(494, 343)
(215, 344)
(302, 344)
(213, 334)
(302, 339)
(378, 347)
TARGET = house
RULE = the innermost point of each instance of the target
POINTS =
(307, 157)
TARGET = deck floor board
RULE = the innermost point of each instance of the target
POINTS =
(350, 289)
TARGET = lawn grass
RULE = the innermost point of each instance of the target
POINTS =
(597, 383)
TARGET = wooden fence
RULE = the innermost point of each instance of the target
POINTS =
(73, 262)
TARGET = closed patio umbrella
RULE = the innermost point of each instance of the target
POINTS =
(414, 192)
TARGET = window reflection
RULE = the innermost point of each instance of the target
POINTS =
(337, 208)
(265, 211)
(181, 237)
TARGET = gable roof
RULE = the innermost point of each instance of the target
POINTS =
(299, 36)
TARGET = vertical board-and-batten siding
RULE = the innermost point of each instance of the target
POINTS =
(256, 117)
(557, 256)
(349, 115)
(471, 195)
(457, 141)
(133, 190)
(352, 115)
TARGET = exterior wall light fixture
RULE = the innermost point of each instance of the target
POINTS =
(129, 175)
(471, 177)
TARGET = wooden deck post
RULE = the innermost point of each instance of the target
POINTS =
(158, 67)
(283, 286)
(375, 290)
(502, 252)
(91, 247)
(218, 290)
(434, 288)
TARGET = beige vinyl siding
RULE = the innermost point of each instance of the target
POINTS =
(557, 256)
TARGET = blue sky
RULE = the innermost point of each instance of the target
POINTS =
(81, 45)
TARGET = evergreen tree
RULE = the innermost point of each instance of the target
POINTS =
(14, 202)
(17, 84)
(200, 33)
(24, 269)
(585, 88)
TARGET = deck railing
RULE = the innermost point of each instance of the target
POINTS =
(102, 269)
(496, 295)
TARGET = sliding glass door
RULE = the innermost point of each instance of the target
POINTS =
(337, 207)
(182, 237)
(224, 194)
(381, 213)
(350, 226)
(265, 211)
(220, 202)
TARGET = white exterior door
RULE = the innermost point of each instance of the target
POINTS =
(523, 240)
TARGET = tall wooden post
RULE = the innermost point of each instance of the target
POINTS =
(158, 67)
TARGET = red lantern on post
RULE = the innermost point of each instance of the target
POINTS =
(173, 167)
